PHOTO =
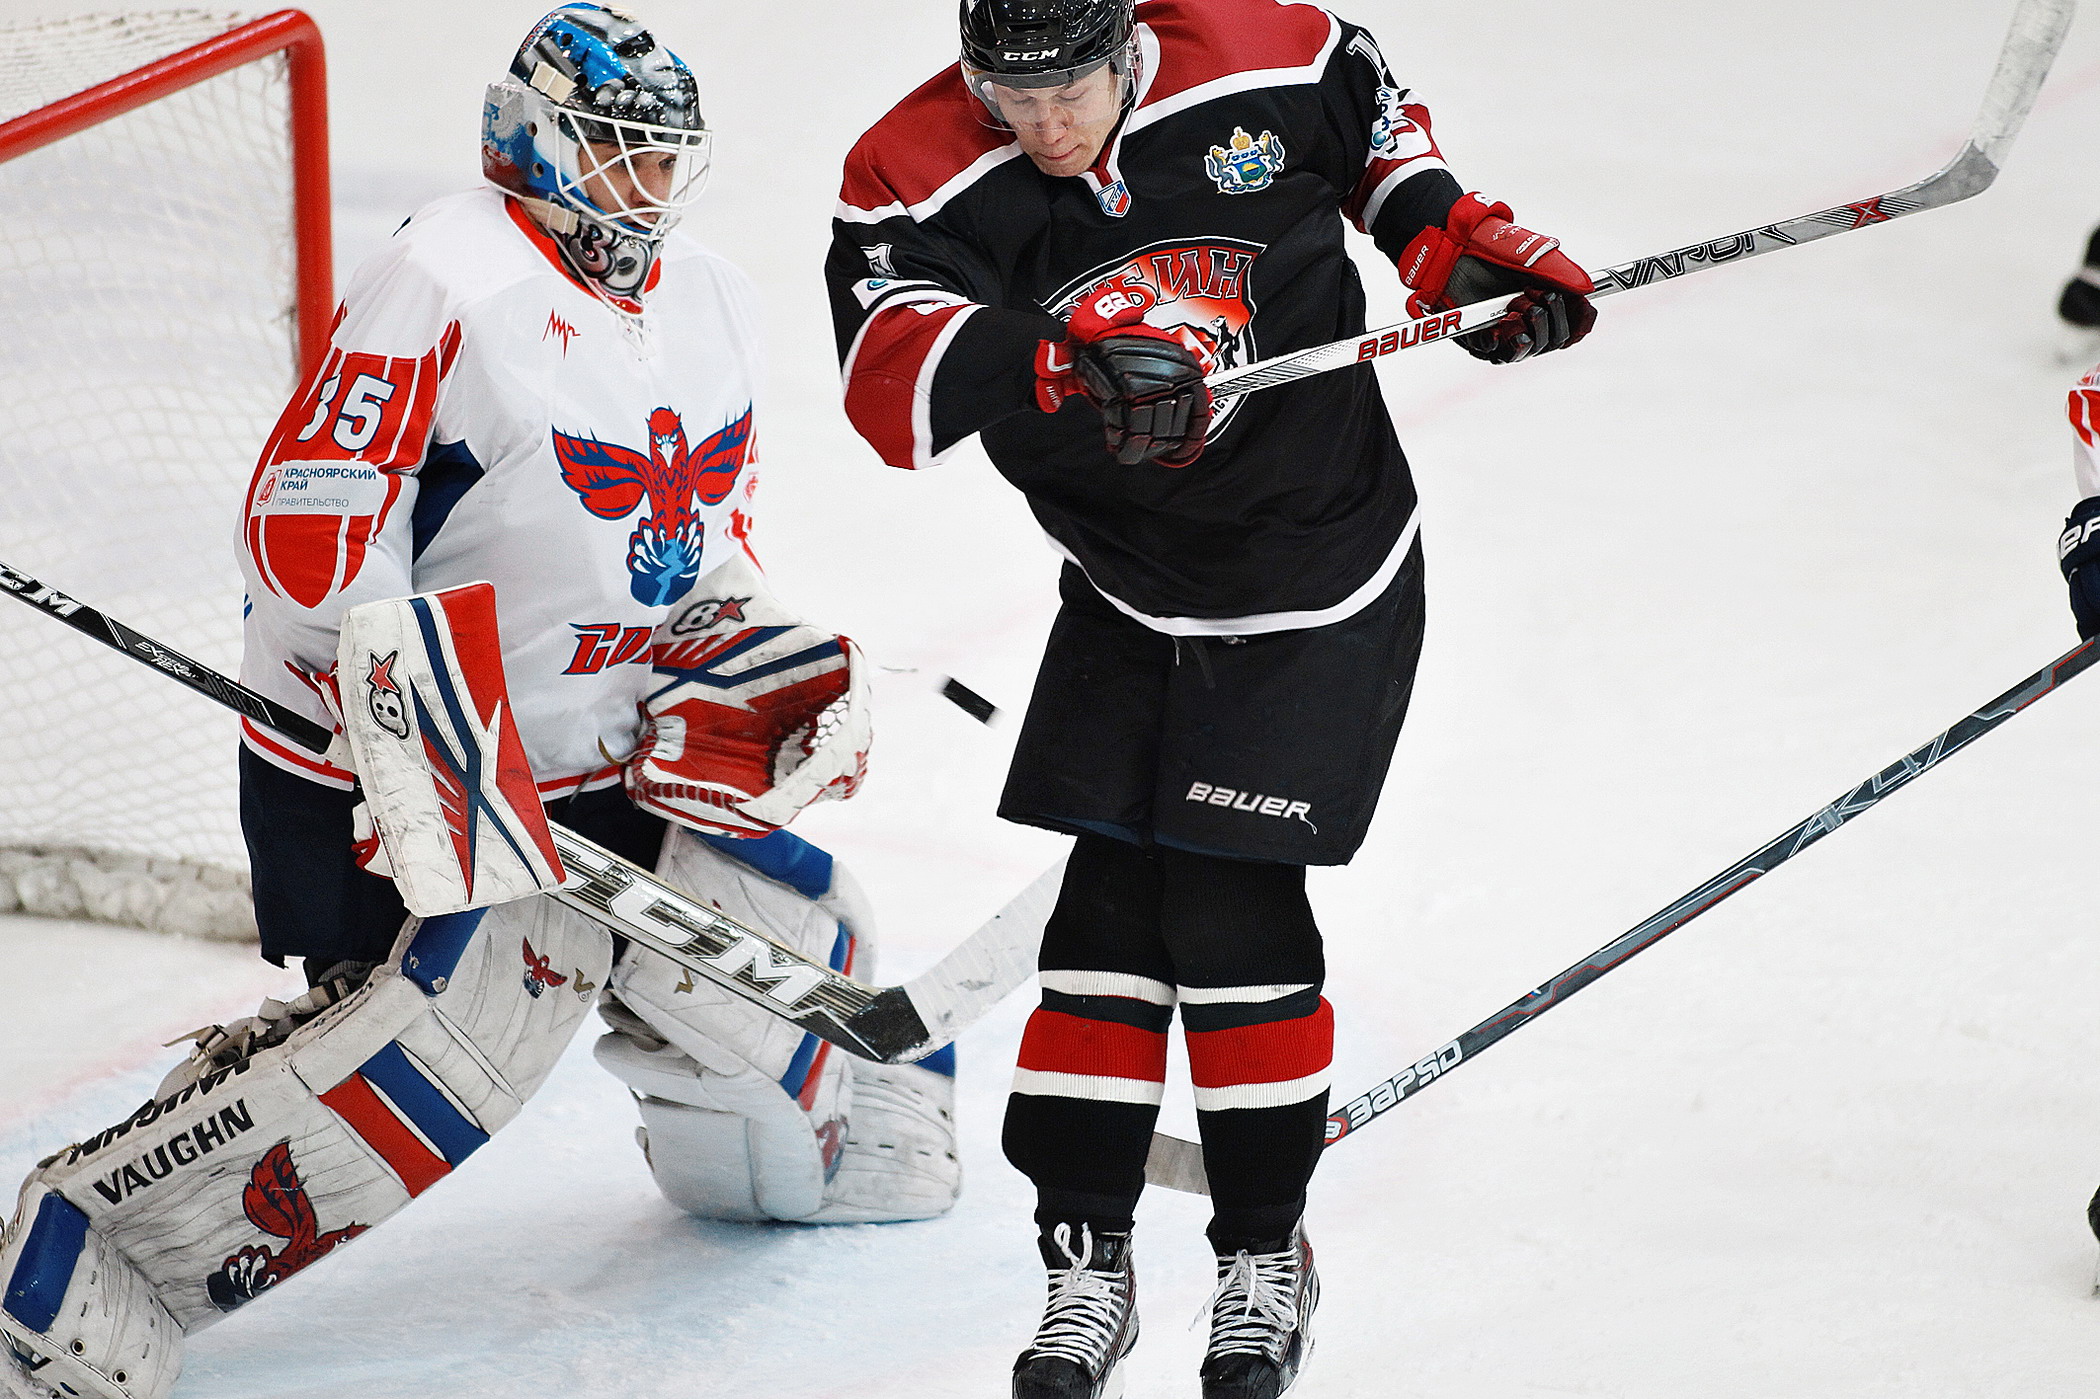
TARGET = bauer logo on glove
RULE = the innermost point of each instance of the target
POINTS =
(755, 715)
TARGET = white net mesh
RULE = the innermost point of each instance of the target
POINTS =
(147, 286)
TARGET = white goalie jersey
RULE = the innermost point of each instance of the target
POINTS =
(482, 416)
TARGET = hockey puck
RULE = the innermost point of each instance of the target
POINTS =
(968, 700)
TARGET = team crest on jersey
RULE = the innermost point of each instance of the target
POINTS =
(663, 553)
(1115, 200)
(1200, 284)
(1246, 164)
(879, 260)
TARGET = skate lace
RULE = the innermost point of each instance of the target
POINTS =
(1255, 1307)
(1086, 1308)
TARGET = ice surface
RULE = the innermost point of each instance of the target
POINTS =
(1771, 528)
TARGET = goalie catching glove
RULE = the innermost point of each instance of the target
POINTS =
(1147, 382)
(754, 714)
(1479, 254)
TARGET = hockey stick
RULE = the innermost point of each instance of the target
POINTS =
(893, 1024)
(1178, 1164)
(2038, 28)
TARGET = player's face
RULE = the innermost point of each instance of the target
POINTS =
(1062, 129)
(641, 182)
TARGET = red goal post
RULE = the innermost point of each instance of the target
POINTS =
(165, 278)
(290, 32)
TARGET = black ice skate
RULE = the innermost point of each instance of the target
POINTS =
(2079, 309)
(1089, 1323)
(1260, 1321)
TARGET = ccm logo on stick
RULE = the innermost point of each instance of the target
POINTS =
(1372, 346)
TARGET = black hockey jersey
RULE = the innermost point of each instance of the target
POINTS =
(1256, 128)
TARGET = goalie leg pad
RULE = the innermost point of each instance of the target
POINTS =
(243, 1175)
(748, 1117)
(77, 1317)
(686, 1046)
(900, 1160)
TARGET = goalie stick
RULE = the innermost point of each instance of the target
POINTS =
(2038, 28)
(891, 1024)
(1178, 1164)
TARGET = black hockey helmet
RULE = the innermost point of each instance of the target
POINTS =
(1045, 43)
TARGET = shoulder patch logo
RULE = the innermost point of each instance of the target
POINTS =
(879, 260)
(1392, 125)
(1247, 164)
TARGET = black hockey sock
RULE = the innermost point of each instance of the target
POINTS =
(1258, 1161)
(1093, 1061)
(1250, 965)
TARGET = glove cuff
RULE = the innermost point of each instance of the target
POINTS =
(1056, 374)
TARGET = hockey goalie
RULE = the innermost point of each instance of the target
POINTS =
(540, 385)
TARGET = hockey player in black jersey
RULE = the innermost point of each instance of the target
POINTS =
(1049, 245)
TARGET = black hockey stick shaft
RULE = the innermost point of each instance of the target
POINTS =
(889, 1023)
(173, 664)
(1178, 1164)
(2037, 32)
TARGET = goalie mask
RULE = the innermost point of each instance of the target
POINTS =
(597, 131)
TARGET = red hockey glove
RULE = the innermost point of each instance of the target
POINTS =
(1479, 254)
(1147, 382)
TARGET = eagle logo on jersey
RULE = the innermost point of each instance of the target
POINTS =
(275, 1202)
(1200, 285)
(663, 553)
(1248, 164)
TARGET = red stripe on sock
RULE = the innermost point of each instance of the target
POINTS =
(354, 1101)
(1277, 1052)
(1070, 1044)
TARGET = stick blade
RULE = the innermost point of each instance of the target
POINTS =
(1174, 1164)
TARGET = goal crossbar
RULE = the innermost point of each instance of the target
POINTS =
(291, 32)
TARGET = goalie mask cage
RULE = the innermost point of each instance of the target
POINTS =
(164, 274)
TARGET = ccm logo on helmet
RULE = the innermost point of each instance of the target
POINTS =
(1035, 57)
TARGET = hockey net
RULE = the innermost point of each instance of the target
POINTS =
(164, 177)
